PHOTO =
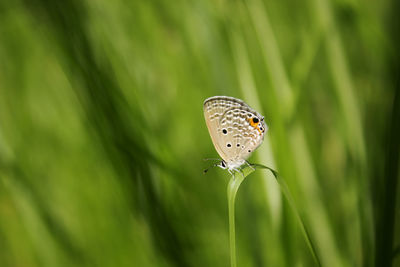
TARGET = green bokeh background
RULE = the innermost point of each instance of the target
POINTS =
(102, 135)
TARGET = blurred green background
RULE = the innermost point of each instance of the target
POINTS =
(102, 135)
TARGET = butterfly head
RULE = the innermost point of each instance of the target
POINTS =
(223, 165)
(231, 165)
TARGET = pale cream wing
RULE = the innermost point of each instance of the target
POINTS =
(228, 122)
(242, 135)
(214, 108)
(253, 140)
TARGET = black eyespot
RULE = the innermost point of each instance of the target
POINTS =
(249, 115)
(249, 150)
(261, 128)
(238, 145)
(255, 120)
(228, 145)
(224, 131)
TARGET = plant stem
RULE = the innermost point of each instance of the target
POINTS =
(233, 187)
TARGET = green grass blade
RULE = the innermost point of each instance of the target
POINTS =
(285, 190)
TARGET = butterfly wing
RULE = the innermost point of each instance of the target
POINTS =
(253, 139)
(245, 135)
(214, 108)
(233, 133)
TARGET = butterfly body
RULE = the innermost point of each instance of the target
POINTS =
(236, 129)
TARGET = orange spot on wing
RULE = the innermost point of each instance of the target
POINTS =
(254, 124)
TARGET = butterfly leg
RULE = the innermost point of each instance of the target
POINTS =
(250, 165)
(240, 171)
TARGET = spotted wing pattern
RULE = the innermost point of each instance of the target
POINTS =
(236, 129)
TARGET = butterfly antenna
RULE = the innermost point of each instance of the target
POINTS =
(206, 159)
(212, 166)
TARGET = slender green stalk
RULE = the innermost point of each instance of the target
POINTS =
(233, 187)
(285, 190)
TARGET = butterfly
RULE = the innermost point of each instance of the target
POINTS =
(236, 130)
